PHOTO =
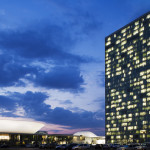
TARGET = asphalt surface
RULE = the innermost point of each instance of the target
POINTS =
(19, 148)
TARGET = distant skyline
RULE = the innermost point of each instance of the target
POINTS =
(52, 58)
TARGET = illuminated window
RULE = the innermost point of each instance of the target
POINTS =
(4, 137)
(108, 43)
(135, 32)
(130, 128)
(141, 29)
(142, 113)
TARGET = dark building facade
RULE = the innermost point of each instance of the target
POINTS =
(20, 139)
(127, 83)
(42, 137)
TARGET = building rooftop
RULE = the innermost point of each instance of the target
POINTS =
(18, 126)
(85, 133)
(128, 24)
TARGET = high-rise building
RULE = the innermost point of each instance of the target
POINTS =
(127, 83)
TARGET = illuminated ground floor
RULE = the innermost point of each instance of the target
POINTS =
(22, 139)
(18, 139)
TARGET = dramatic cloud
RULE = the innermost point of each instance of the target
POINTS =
(44, 42)
(11, 71)
(48, 44)
(83, 120)
(58, 77)
(61, 78)
(33, 104)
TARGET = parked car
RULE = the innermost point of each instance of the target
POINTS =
(147, 145)
(30, 145)
(61, 147)
(105, 146)
(52, 146)
(69, 147)
(43, 146)
(115, 146)
(128, 147)
(98, 146)
(81, 146)
(123, 147)
(141, 147)
(3, 145)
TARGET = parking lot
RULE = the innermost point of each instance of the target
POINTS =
(19, 148)
(92, 147)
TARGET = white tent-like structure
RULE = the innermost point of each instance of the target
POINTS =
(88, 138)
(19, 126)
(85, 133)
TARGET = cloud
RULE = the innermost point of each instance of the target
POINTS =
(19, 111)
(7, 103)
(101, 80)
(67, 102)
(101, 102)
(76, 120)
(32, 103)
(60, 78)
(81, 17)
(11, 71)
(59, 129)
(48, 41)
(34, 106)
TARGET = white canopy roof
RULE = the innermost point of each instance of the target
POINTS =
(85, 133)
(15, 126)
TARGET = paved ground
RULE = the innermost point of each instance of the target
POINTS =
(19, 148)
(32, 149)
(92, 148)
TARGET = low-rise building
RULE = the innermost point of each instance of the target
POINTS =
(88, 137)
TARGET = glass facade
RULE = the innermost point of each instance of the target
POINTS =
(127, 83)
(17, 139)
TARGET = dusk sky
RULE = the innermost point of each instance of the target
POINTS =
(52, 60)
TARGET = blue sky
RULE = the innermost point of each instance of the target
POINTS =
(52, 58)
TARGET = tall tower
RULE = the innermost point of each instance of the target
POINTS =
(127, 83)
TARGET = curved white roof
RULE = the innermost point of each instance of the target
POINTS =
(85, 133)
(15, 126)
